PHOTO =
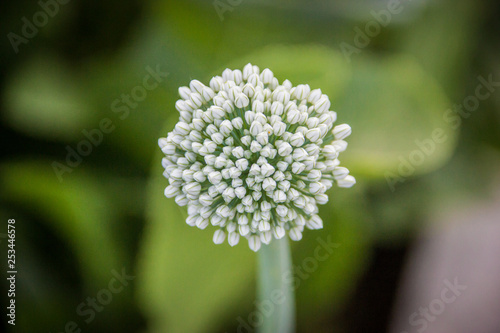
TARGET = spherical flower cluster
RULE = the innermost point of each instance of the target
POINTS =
(253, 157)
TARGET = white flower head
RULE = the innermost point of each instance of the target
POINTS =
(252, 157)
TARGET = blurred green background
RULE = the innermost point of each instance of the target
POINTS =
(392, 76)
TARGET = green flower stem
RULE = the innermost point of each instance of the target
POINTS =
(274, 287)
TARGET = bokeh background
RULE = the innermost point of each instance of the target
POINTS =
(423, 211)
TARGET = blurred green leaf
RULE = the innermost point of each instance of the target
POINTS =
(388, 101)
(78, 209)
(328, 272)
(185, 281)
(443, 40)
(318, 66)
(44, 99)
(113, 83)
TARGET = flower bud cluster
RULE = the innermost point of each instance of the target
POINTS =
(253, 157)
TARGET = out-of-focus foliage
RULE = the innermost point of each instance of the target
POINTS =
(43, 99)
(360, 92)
(109, 212)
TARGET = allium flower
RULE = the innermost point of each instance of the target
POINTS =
(253, 157)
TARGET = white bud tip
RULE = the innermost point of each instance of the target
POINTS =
(347, 182)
